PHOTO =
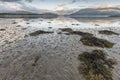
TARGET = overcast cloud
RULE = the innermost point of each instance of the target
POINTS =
(56, 5)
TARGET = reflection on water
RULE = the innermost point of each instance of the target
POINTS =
(99, 20)
(71, 22)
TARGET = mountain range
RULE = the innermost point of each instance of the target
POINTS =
(24, 9)
(87, 12)
(97, 12)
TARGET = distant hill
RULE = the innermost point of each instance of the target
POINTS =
(17, 12)
(6, 12)
(97, 12)
(48, 15)
(27, 15)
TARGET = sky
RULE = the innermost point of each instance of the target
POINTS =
(56, 5)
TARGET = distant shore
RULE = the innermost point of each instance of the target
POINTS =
(28, 16)
(51, 16)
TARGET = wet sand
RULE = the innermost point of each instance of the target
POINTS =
(57, 54)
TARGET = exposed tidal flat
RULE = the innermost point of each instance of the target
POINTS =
(59, 48)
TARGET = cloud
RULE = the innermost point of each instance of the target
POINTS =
(7, 7)
(9, 0)
(12, 6)
(60, 7)
(18, 0)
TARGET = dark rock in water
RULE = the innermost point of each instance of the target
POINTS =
(72, 24)
(24, 28)
(18, 26)
(77, 24)
(108, 32)
(96, 66)
(39, 32)
(2, 29)
(50, 27)
(93, 41)
(49, 22)
(27, 23)
(66, 29)
(96, 25)
(81, 33)
(59, 33)
(14, 22)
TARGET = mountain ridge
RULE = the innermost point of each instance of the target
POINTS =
(105, 12)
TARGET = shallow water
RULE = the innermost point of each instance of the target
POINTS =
(58, 52)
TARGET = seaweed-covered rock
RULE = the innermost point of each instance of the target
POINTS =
(71, 32)
(66, 29)
(96, 66)
(93, 41)
(108, 32)
(81, 33)
(39, 32)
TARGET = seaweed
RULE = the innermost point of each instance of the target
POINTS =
(39, 32)
(108, 32)
(96, 66)
(2, 29)
(83, 34)
(66, 29)
(18, 26)
(36, 60)
(93, 41)
(75, 32)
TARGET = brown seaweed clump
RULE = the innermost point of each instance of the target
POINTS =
(66, 29)
(93, 41)
(18, 26)
(83, 34)
(96, 66)
(39, 32)
(108, 32)
(71, 32)
(2, 29)
(36, 60)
